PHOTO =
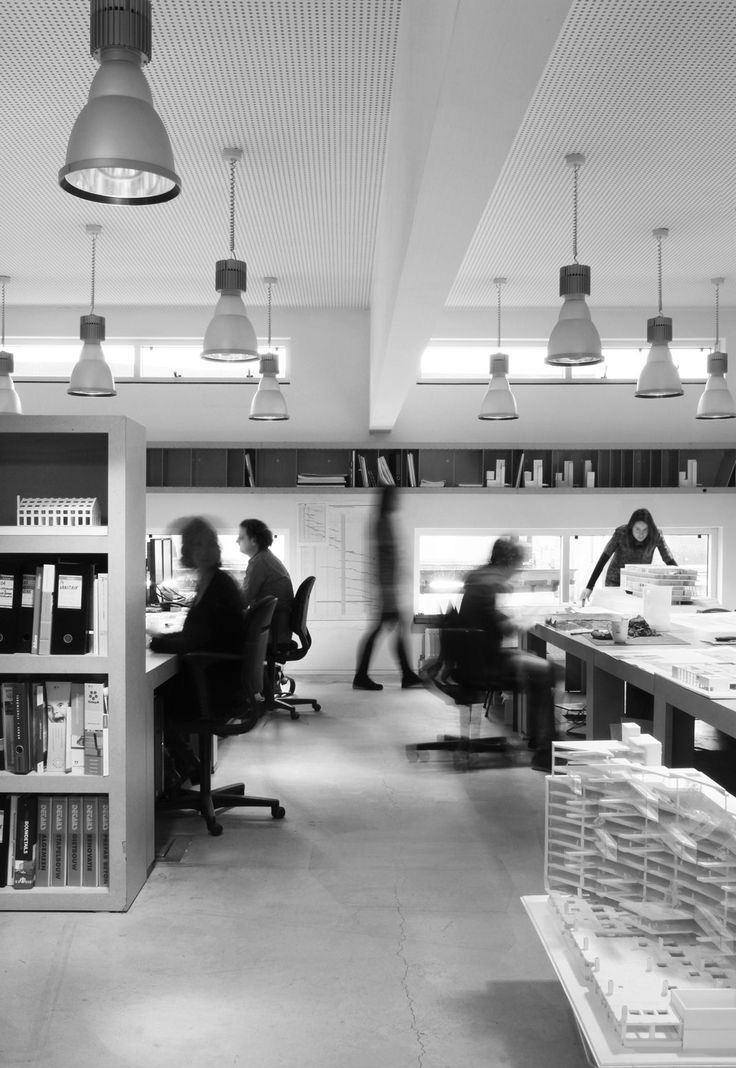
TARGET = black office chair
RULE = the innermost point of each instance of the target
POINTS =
(462, 676)
(281, 655)
(206, 800)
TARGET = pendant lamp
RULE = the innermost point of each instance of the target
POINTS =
(230, 336)
(499, 401)
(92, 376)
(118, 150)
(9, 399)
(268, 403)
(716, 401)
(659, 377)
(574, 341)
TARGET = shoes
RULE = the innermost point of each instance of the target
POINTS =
(362, 682)
(410, 680)
(542, 759)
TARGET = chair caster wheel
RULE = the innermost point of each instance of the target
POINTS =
(278, 813)
(215, 829)
(294, 714)
(317, 706)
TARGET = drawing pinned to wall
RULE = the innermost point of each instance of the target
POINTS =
(313, 523)
(341, 561)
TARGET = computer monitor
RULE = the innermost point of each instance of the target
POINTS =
(160, 565)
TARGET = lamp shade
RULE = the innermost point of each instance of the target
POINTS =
(118, 151)
(659, 377)
(716, 401)
(498, 402)
(91, 376)
(268, 404)
(9, 399)
(230, 335)
(574, 340)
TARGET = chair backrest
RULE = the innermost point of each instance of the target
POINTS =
(299, 613)
(467, 670)
(256, 631)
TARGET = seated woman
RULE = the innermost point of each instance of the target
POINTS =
(214, 623)
(266, 576)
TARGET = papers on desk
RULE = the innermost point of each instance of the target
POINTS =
(710, 672)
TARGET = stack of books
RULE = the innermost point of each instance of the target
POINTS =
(321, 480)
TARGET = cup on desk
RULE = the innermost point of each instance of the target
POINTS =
(619, 630)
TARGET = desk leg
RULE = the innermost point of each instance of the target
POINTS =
(675, 729)
(575, 681)
(605, 703)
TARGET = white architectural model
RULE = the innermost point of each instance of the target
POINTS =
(640, 869)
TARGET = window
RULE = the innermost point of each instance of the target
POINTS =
(446, 360)
(557, 568)
(135, 360)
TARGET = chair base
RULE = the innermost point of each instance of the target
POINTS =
(454, 742)
(288, 704)
(207, 804)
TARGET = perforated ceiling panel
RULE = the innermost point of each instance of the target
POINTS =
(303, 87)
(646, 89)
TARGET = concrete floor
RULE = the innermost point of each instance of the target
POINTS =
(377, 926)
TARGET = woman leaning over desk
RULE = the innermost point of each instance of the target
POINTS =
(632, 543)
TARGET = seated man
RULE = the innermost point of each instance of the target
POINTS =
(510, 668)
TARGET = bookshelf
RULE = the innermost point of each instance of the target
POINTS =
(102, 457)
(461, 467)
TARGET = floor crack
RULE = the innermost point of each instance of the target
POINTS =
(422, 1051)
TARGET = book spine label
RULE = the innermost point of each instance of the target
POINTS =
(58, 841)
(74, 841)
(90, 858)
(104, 842)
(24, 864)
(43, 842)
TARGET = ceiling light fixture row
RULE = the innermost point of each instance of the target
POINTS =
(499, 402)
(91, 376)
(268, 404)
(9, 399)
(230, 337)
(118, 151)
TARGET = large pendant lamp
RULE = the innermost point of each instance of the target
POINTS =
(9, 399)
(268, 404)
(230, 336)
(574, 341)
(92, 377)
(118, 150)
(499, 401)
(716, 401)
(659, 377)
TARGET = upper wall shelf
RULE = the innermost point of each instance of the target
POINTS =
(308, 467)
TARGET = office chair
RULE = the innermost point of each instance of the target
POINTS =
(461, 674)
(280, 655)
(206, 800)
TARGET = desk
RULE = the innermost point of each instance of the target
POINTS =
(160, 667)
(609, 670)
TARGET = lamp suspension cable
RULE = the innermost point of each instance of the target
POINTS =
(2, 344)
(659, 234)
(717, 282)
(498, 282)
(270, 283)
(576, 161)
(232, 161)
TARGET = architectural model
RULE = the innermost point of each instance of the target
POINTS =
(640, 869)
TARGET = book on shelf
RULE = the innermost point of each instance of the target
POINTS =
(321, 480)
(75, 729)
(10, 848)
(17, 726)
(100, 639)
(43, 841)
(250, 478)
(363, 468)
(48, 582)
(24, 636)
(90, 840)
(104, 841)
(24, 861)
(58, 839)
(58, 715)
(9, 607)
(411, 469)
(36, 618)
(4, 837)
(519, 471)
(74, 840)
(39, 725)
(96, 746)
(385, 478)
(70, 618)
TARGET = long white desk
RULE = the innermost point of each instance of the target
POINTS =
(610, 669)
(160, 667)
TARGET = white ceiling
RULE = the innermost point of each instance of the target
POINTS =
(398, 154)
